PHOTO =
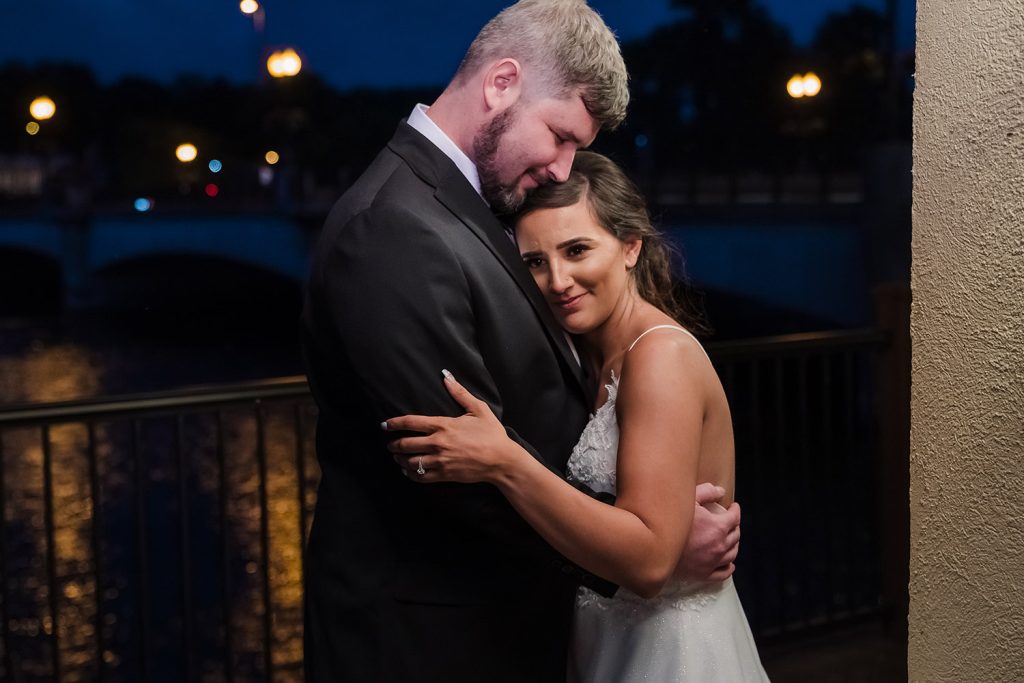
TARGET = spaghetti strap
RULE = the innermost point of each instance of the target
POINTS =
(668, 327)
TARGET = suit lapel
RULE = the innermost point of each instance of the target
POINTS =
(461, 199)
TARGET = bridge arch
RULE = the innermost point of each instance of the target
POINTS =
(186, 288)
(31, 282)
(266, 243)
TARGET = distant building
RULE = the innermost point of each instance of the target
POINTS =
(21, 176)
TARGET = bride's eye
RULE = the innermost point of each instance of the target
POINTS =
(533, 262)
(577, 250)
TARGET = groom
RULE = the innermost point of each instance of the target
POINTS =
(413, 273)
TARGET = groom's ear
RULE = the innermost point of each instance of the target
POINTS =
(503, 84)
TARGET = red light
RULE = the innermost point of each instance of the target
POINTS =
(212, 190)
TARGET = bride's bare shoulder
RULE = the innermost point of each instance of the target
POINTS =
(663, 361)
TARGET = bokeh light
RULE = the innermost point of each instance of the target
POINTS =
(215, 166)
(284, 63)
(31, 127)
(812, 84)
(266, 175)
(249, 6)
(186, 152)
(806, 85)
(795, 86)
(272, 157)
(212, 190)
(143, 204)
(42, 108)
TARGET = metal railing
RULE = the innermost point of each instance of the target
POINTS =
(167, 527)
(805, 422)
(152, 595)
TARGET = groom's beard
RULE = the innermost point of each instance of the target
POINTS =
(504, 199)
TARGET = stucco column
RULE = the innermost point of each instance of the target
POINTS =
(967, 325)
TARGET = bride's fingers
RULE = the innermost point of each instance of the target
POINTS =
(426, 424)
(469, 402)
(420, 468)
(412, 445)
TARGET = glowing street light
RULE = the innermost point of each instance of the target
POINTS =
(812, 84)
(42, 108)
(284, 63)
(272, 157)
(249, 6)
(186, 152)
(31, 127)
(806, 85)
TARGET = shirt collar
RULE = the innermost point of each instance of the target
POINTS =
(421, 121)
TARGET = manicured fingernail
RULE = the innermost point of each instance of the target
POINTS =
(447, 375)
(384, 425)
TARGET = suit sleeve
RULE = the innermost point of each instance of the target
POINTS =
(401, 305)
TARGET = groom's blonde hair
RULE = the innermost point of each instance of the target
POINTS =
(568, 46)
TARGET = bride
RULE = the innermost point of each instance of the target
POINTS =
(661, 425)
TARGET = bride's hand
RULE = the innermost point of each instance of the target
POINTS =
(467, 449)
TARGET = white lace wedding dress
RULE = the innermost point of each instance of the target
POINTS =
(689, 632)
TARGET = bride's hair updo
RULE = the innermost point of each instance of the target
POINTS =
(619, 207)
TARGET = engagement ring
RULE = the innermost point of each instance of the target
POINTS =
(419, 467)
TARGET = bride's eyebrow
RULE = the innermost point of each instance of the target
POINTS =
(574, 240)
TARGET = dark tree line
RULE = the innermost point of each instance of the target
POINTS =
(708, 94)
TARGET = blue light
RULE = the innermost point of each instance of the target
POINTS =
(215, 166)
(142, 204)
(641, 141)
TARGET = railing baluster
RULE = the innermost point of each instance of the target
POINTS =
(225, 555)
(142, 559)
(51, 550)
(784, 464)
(845, 462)
(261, 455)
(756, 497)
(4, 578)
(829, 488)
(184, 549)
(97, 550)
(300, 474)
(805, 487)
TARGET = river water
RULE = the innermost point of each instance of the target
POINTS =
(141, 585)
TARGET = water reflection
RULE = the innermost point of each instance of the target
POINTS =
(132, 619)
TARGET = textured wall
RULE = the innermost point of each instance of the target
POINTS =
(967, 436)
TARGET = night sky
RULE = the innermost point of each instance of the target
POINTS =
(391, 43)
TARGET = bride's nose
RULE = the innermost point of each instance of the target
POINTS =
(561, 279)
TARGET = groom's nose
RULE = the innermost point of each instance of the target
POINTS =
(558, 170)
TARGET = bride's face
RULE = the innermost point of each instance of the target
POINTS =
(582, 269)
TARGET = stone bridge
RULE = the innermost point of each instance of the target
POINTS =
(81, 251)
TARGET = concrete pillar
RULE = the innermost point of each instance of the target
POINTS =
(967, 325)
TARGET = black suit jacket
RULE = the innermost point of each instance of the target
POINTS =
(410, 582)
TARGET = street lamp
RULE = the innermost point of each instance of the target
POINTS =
(42, 108)
(186, 152)
(284, 63)
(806, 85)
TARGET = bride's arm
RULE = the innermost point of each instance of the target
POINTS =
(636, 543)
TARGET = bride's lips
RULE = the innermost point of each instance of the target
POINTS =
(568, 304)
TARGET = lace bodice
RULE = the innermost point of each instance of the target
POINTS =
(593, 458)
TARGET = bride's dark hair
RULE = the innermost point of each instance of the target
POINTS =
(619, 207)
